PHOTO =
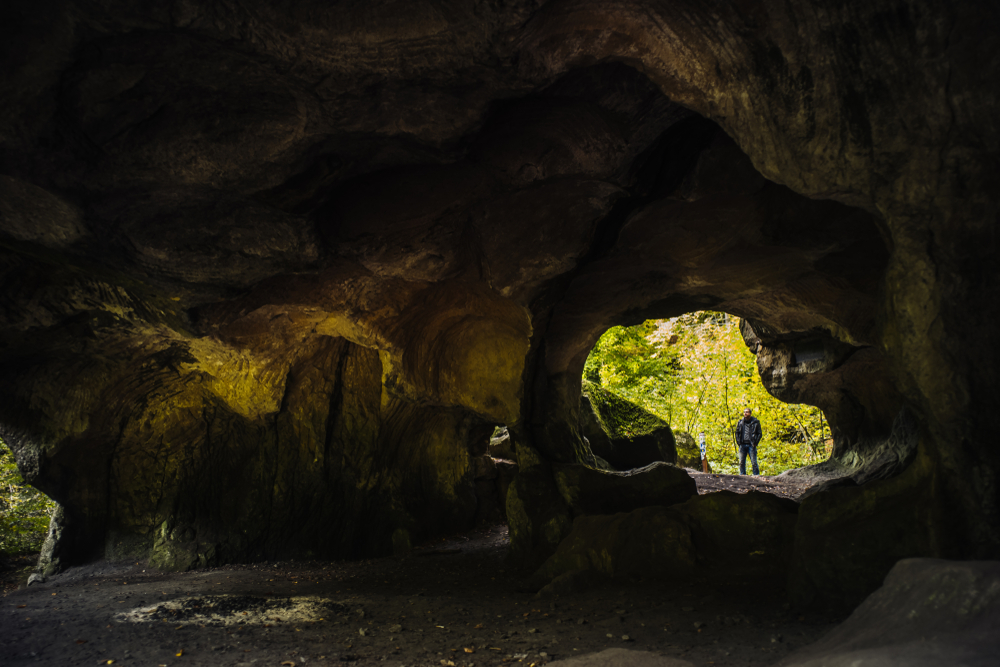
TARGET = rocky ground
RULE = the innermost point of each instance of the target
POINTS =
(451, 602)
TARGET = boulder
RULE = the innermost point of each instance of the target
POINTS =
(592, 431)
(634, 437)
(647, 542)
(688, 453)
(927, 613)
(732, 527)
(753, 529)
(484, 468)
(590, 491)
(848, 537)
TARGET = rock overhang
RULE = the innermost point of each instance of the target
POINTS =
(337, 245)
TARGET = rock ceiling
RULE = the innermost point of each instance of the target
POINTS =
(272, 269)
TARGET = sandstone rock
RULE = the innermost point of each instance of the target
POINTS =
(928, 612)
(590, 491)
(634, 437)
(849, 537)
(484, 467)
(289, 262)
(592, 431)
(688, 453)
(651, 541)
(506, 472)
(669, 542)
(729, 526)
(537, 516)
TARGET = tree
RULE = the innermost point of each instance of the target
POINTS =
(24, 510)
(695, 372)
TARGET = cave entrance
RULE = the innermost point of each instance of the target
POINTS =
(696, 374)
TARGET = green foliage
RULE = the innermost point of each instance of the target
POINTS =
(24, 511)
(626, 362)
(696, 373)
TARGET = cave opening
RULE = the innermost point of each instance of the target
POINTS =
(692, 376)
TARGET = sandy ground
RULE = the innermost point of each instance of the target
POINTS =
(451, 602)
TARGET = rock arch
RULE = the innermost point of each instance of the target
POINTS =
(269, 270)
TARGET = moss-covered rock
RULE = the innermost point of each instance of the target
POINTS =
(688, 453)
(590, 491)
(635, 436)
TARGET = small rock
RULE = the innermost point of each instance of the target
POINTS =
(698, 625)
(775, 639)
(395, 628)
(581, 621)
(533, 630)
(610, 636)
(626, 638)
(363, 632)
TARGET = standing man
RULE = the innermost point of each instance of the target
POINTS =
(748, 434)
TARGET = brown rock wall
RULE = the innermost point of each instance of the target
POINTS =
(318, 248)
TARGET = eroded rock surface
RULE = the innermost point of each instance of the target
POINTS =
(270, 269)
(928, 612)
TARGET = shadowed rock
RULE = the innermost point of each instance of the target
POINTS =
(272, 273)
(928, 612)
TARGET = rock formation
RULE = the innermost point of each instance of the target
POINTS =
(274, 272)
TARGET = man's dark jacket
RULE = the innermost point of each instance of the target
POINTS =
(748, 432)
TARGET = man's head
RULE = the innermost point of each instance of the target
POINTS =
(747, 413)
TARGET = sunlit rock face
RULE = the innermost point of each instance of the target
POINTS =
(273, 273)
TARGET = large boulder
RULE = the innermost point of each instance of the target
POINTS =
(634, 437)
(927, 613)
(590, 491)
(849, 536)
(688, 452)
(753, 529)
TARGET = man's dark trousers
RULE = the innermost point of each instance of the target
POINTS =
(744, 450)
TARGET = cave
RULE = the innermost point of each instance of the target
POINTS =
(274, 272)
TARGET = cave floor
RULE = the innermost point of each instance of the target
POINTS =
(451, 601)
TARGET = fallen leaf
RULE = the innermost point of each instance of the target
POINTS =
(288, 663)
(478, 627)
(470, 650)
(21, 606)
(179, 653)
(81, 641)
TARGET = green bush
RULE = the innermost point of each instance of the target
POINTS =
(24, 510)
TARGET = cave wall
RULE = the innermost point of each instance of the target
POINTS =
(272, 271)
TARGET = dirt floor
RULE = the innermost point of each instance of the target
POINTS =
(451, 602)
